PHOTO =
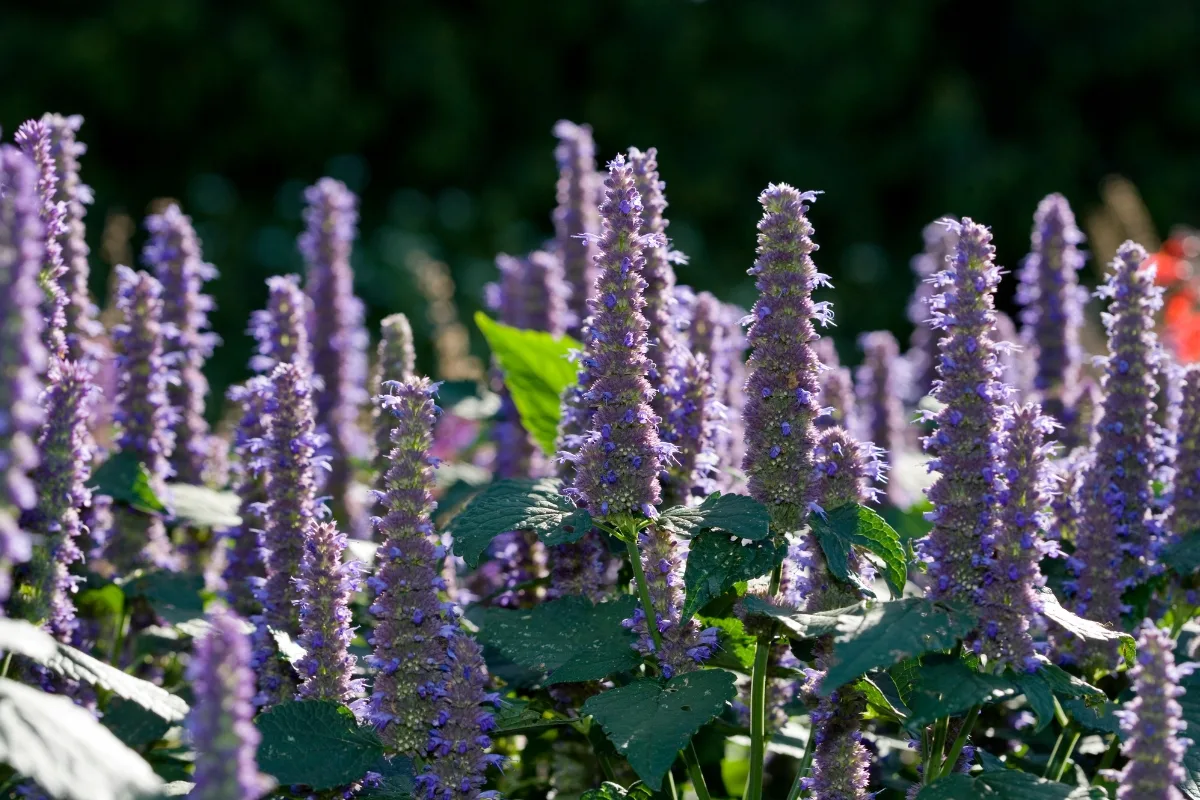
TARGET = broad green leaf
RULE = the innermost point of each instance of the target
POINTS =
(886, 705)
(517, 505)
(800, 625)
(568, 638)
(133, 724)
(517, 716)
(1085, 628)
(1010, 784)
(649, 722)
(174, 596)
(1190, 703)
(203, 507)
(395, 780)
(615, 791)
(126, 480)
(736, 514)
(1184, 555)
(853, 525)
(947, 687)
(315, 743)
(891, 632)
(79, 666)
(736, 650)
(717, 560)
(1040, 687)
(26, 639)
(537, 371)
(66, 750)
(1092, 715)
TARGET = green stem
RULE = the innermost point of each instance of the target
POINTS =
(119, 635)
(933, 766)
(7, 664)
(1110, 755)
(805, 763)
(695, 773)
(639, 576)
(1067, 753)
(1053, 753)
(758, 699)
(672, 791)
(959, 742)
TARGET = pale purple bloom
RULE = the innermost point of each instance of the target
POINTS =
(922, 356)
(280, 330)
(34, 138)
(715, 331)
(577, 219)
(838, 407)
(326, 585)
(657, 271)
(395, 360)
(691, 416)
(1186, 499)
(245, 561)
(880, 413)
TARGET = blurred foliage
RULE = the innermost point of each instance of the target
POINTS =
(439, 113)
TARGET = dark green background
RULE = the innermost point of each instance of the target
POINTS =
(440, 114)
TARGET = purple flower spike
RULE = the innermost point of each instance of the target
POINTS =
(1009, 598)
(222, 734)
(781, 394)
(409, 648)
(837, 400)
(1120, 532)
(22, 355)
(327, 585)
(941, 240)
(880, 412)
(1016, 365)
(576, 220)
(339, 340)
(1052, 303)
(82, 326)
(840, 760)
(716, 333)
(395, 360)
(658, 272)
(34, 140)
(458, 743)
(245, 564)
(1153, 722)
(291, 469)
(618, 464)
(685, 646)
(281, 329)
(145, 417)
(65, 456)
(531, 293)
(1186, 506)
(690, 418)
(173, 253)
(965, 444)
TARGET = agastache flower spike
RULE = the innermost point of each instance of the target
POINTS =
(281, 329)
(690, 418)
(531, 293)
(245, 568)
(1052, 303)
(22, 355)
(618, 464)
(658, 272)
(409, 644)
(781, 401)
(338, 338)
(144, 416)
(1152, 722)
(880, 412)
(65, 456)
(1186, 505)
(327, 584)
(965, 444)
(220, 727)
(173, 253)
(715, 332)
(940, 242)
(82, 327)
(837, 400)
(33, 137)
(291, 466)
(1118, 538)
(1009, 603)
(395, 360)
(576, 221)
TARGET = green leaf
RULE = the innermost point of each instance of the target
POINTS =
(537, 371)
(649, 722)
(288, 647)
(716, 561)
(891, 632)
(517, 716)
(26, 639)
(946, 687)
(66, 750)
(126, 480)
(568, 638)
(517, 505)
(133, 724)
(854, 525)
(736, 514)
(736, 646)
(1092, 715)
(1040, 687)
(1085, 628)
(315, 743)
(395, 780)
(615, 791)
(174, 596)
(1184, 555)
(1190, 703)
(882, 704)
(79, 666)
(1010, 784)
(203, 507)
(177, 789)
(800, 625)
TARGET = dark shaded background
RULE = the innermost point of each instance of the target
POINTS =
(439, 113)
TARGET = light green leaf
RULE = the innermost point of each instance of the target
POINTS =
(1184, 555)
(736, 514)
(716, 561)
(63, 748)
(800, 625)
(517, 716)
(203, 507)
(315, 743)
(133, 724)
(649, 722)
(536, 372)
(126, 480)
(1085, 628)
(517, 505)
(853, 525)
(176, 597)
(26, 639)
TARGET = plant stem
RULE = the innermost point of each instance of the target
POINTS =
(639, 577)
(758, 699)
(805, 763)
(119, 635)
(672, 791)
(933, 766)
(1110, 755)
(7, 664)
(1068, 752)
(959, 742)
(694, 772)
(1053, 753)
